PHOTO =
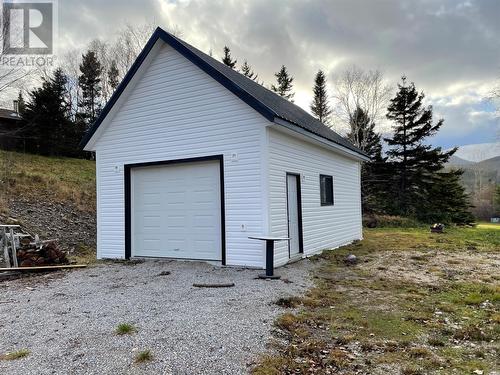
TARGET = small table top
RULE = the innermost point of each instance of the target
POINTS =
(269, 238)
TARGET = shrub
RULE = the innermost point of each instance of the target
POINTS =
(388, 221)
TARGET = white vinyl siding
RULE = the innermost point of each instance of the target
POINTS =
(173, 111)
(324, 227)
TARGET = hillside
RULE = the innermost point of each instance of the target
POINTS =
(490, 164)
(50, 196)
(459, 162)
(478, 152)
(476, 174)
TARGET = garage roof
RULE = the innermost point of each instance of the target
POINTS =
(266, 102)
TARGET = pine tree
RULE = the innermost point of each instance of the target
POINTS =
(447, 200)
(113, 74)
(247, 71)
(285, 84)
(374, 173)
(49, 130)
(227, 59)
(320, 106)
(90, 84)
(414, 162)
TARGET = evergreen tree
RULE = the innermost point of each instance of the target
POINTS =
(374, 173)
(113, 74)
(447, 200)
(227, 59)
(320, 106)
(414, 162)
(49, 130)
(248, 72)
(285, 84)
(90, 84)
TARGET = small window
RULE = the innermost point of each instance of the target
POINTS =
(326, 190)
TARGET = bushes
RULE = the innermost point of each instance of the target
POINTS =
(389, 221)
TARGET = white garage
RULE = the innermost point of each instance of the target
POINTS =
(193, 158)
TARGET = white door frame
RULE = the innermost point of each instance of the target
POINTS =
(299, 212)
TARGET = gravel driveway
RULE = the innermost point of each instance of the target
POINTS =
(67, 320)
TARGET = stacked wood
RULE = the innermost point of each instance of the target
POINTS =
(30, 255)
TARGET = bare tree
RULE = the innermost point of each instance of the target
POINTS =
(356, 88)
(130, 42)
(12, 75)
(70, 63)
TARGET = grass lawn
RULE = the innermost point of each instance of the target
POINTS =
(416, 303)
(57, 178)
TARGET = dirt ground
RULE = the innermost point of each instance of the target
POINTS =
(414, 303)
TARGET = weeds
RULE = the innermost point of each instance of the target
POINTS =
(143, 356)
(15, 355)
(418, 325)
(125, 329)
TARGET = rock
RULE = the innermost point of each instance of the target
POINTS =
(351, 259)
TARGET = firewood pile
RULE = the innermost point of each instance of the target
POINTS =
(21, 249)
(30, 254)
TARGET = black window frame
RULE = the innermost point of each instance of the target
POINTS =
(322, 190)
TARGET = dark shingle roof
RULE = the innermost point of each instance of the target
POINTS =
(268, 103)
(9, 114)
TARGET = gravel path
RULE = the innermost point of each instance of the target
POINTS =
(67, 320)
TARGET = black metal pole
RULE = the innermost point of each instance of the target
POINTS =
(269, 257)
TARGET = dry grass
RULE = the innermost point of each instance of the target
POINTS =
(18, 354)
(35, 177)
(405, 309)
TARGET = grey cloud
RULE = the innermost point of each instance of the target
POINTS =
(448, 48)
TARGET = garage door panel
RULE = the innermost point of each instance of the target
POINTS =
(176, 211)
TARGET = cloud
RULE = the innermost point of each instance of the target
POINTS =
(449, 48)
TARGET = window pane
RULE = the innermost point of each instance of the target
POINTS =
(326, 190)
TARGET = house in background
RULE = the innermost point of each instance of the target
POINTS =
(10, 124)
(192, 158)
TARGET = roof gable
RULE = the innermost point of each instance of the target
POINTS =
(267, 103)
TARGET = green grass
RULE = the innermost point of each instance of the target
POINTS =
(125, 329)
(15, 355)
(143, 356)
(379, 309)
(34, 176)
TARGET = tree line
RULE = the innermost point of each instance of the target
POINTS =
(407, 179)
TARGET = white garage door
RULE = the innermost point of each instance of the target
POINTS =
(176, 211)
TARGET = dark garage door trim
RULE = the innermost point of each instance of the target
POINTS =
(128, 205)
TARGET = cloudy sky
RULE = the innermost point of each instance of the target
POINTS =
(450, 49)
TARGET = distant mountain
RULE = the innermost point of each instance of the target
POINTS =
(478, 152)
(476, 175)
(455, 161)
(490, 164)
